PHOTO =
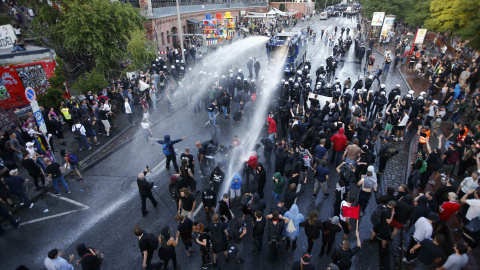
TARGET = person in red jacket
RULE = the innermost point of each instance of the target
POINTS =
(339, 145)
(272, 129)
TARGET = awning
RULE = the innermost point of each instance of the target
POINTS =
(192, 20)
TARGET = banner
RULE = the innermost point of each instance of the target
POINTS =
(388, 25)
(351, 212)
(377, 19)
(7, 36)
(420, 37)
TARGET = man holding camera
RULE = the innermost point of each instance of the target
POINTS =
(145, 190)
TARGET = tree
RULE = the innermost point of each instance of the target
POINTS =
(281, 7)
(443, 17)
(90, 81)
(140, 50)
(87, 33)
(55, 93)
(418, 12)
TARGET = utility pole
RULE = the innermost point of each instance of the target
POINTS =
(180, 32)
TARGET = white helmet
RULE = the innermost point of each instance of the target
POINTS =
(173, 67)
(370, 91)
(290, 79)
(359, 91)
(420, 98)
(181, 68)
(397, 97)
(382, 93)
(319, 86)
(411, 92)
(286, 83)
(422, 93)
(305, 67)
(397, 85)
(283, 80)
(435, 102)
(299, 72)
(364, 90)
(382, 85)
(361, 78)
(337, 80)
(408, 96)
(238, 78)
(329, 85)
(176, 61)
(370, 77)
(307, 84)
(252, 80)
(239, 70)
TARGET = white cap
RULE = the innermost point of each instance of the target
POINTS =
(435, 102)
(397, 85)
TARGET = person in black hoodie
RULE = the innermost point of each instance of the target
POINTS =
(257, 204)
(258, 230)
(390, 196)
(281, 158)
(329, 230)
(261, 179)
(216, 178)
(313, 226)
(224, 209)
(267, 151)
(89, 260)
(291, 194)
(209, 197)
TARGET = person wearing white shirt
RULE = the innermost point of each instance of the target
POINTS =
(128, 110)
(402, 122)
(474, 209)
(423, 230)
(146, 129)
(83, 137)
(54, 261)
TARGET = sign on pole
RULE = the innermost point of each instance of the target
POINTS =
(377, 19)
(30, 94)
(420, 36)
(38, 116)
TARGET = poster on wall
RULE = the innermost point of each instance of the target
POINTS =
(388, 25)
(377, 19)
(34, 76)
(7, 36)
(3, 91)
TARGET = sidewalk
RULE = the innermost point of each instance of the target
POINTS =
(407, 154)
(88, 158)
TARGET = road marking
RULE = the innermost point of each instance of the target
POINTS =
(208, 122)
(84, 207)
(161, 162)
(200, 206)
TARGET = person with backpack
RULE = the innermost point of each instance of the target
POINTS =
(205, 242)
(450, 157)
(275, 224)
(72, 160)
(79, 134)
(148, 243)
(90, 259)
(292, 230)
(381, 219)
(219, 232)
(169, 151)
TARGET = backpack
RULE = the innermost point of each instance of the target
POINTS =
(424, 165)
(166, 149)
(208, 246)
(76, 133)
(98, 255)
(291, 227)
(274, 233)
(73, 159)
(376, 217)
(335, 117)
(306, 158)
(357, 111)
(245, 200)
(152, 241)
(346, 174)
(211, 149)
(454, 157)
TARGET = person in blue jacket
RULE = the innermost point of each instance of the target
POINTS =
(236, 188)
(292, 233)
(169, 152)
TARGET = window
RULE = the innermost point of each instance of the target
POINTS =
(168, 37)
(163, 39)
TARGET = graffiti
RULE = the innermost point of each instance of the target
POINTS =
(8, 79)
(7, 36)
(6, 42)
(34, 76)
(143, 4)
(3, 91)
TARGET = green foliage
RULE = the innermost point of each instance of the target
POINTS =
(141, 52)
(281, 7)
(99, 30)
(418, 12)
(468, 27)
(90, 81)
(444, 15)
(52, 98)
(58, 78)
